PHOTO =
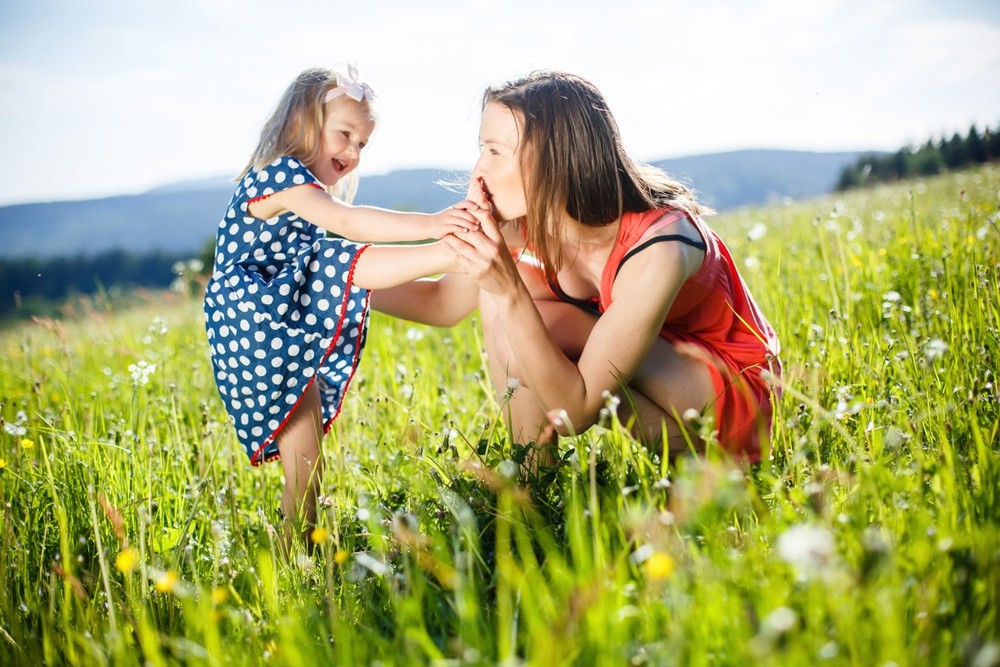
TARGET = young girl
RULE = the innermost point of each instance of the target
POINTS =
(287, 306)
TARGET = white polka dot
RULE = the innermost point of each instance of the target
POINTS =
(279, 177)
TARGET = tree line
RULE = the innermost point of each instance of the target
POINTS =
(929, 159)
(32, 286)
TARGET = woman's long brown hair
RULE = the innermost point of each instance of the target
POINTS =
(573, 161)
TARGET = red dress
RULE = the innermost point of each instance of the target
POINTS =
(715, 313)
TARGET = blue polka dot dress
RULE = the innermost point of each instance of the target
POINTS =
(281, 312)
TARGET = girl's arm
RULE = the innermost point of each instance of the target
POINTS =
(620, 340)
(439, 302)
(362, 223)
(384, 266)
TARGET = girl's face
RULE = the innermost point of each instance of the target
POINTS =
(346, 130)
(499, 164)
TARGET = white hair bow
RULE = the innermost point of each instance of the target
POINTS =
(350, 86)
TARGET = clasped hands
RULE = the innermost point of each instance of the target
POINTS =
(483, 253)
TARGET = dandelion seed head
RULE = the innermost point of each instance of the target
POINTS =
(757, 232)
(780, 621)
(809, 549)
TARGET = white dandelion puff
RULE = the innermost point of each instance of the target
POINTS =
(809, 549)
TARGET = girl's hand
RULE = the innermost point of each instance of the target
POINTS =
(454, 220)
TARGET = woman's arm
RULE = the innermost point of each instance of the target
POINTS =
(619, 342)
(362, 223)
(440, 302)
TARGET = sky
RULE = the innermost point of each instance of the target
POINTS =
(123, 96)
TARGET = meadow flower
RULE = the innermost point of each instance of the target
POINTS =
(757, 232)
(27, 443)
(779, 622)
(935, 349)
(3, 463)
(659, 566)
(126, 560)
(219, 595)
(17, 428)
(140, 372)
(319, 535)
(809, 549)
(340, 557)
(167, 581)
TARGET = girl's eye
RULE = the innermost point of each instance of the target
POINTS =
(346, 133)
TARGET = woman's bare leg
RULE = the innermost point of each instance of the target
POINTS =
(671, 380)
(302, 464)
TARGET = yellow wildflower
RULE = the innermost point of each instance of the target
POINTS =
(126, 559)
(219, 595)
(319, 535)
(882, 252)
(167, 582)
(27, 443)
(659, 566)
(340, 557)
(3, 463)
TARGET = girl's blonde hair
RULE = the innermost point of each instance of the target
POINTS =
(296, 125)
(573, 160)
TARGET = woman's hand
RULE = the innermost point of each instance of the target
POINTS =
(484, 255)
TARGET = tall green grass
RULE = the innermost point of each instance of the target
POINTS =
(135, 532)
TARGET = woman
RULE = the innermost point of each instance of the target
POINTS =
(602, 279)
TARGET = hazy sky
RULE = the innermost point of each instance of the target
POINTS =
(125, 95)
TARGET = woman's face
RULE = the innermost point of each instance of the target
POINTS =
(499, 164)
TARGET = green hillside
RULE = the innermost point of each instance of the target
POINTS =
(136, 533)
(182, 218)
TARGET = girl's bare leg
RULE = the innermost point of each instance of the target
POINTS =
(302, 464)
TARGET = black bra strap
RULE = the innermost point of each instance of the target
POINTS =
(694, 243)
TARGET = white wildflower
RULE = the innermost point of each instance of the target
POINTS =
(780, 621)
(935, 349)
(809, 549)
(757, 232)
(140, 371)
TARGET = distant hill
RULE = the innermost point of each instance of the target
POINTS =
(182, 217)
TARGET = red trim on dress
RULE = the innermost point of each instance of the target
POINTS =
(255, 458)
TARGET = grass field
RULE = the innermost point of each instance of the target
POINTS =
(134, 531)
